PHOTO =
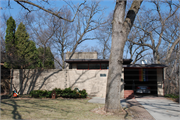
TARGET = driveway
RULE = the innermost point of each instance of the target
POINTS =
(160, 108)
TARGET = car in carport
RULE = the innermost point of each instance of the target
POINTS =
(143, 89)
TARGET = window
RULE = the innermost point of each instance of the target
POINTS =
(91, 66)
(82, 66)
(94, 66)
(104, 66)
(70, 66)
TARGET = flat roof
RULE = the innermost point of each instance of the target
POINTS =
(145, 66)
(125, 61)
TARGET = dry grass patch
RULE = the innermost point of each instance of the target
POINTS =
(76, 109)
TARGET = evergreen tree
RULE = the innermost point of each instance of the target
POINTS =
(10, 42)
(10, 34)
(46, 57)
(26, 50)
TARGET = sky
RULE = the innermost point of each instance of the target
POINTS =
(16, 8)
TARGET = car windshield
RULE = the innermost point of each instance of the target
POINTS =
(142, 87)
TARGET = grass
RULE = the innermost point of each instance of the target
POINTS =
(76, 109)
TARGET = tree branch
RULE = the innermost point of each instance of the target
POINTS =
(55, 14)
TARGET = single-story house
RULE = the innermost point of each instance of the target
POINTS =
(85, 71)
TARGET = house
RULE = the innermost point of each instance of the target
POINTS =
(151, 75)
(85, 71)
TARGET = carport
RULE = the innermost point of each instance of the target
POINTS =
(151, 75)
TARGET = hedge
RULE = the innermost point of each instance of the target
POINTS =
(66, 93)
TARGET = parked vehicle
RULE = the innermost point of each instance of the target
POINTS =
(143, 89)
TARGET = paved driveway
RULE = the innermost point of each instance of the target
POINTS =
(161, 108)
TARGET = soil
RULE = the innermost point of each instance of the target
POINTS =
(138, 111)
(125, 112)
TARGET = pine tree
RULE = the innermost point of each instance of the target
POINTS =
(10, 34)
(47, 59)
(10, 42)
(26, 49)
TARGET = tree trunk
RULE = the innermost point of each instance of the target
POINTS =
(179, 71)
(156, 57)
(116, 60)
(120, 31)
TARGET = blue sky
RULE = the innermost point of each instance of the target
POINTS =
(16, 8)
(108, 4)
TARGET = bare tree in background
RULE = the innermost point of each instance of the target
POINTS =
(3, 26)
(158, 30)
(63, 37)
(70, 35)
(151, 25)
(103, 36)
(136, 51)
(39, 5)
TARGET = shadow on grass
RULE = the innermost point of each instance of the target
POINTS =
(16, 114)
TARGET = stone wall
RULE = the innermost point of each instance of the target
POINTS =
(54, 78)
(35, 79)
(160, 84)
(93, 81)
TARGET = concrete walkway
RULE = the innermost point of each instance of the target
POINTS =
(161, 108)
(102, 101)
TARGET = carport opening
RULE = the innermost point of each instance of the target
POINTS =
(134, 77)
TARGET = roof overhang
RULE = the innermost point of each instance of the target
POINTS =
(145, 66)
(125, 61)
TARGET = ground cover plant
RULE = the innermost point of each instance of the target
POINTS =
(173, 97)
(60, 108)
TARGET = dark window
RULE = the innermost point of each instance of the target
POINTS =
(94, 66)
(82, 66)
(70, 66)
(102, 75)
(104, 66)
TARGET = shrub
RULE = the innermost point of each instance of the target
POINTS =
(59, 92)
(83, 93)
(172, 96)
(66, 93)
(48, 95)
(40, 93)
(34, 93)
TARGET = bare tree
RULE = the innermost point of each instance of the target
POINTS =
(30, 6)
(153, 26)
(63, 37)
(70, 35)
(158, 30)
(120, 30)
(136, 52)
(103, 35)
(3, 26)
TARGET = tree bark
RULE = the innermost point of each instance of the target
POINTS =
(116, 60)
(179, 71)
(120, 31)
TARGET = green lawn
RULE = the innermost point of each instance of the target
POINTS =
(76, 109)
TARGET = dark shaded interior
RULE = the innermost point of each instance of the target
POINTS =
(131, 79)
